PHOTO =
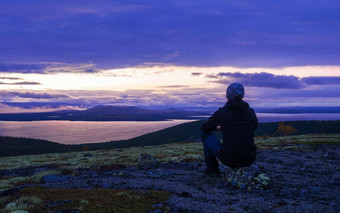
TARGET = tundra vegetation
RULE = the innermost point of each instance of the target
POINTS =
(34, 197)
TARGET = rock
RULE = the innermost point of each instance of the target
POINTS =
(106, 185)
(9, 192)
(185, 194)
(314, 189)
(67, 211)
(54, 178)
(249, 178)
(278, 161)
(147, 161)
(87, 155)
(107, 168)
(83, 159)
(157, 205)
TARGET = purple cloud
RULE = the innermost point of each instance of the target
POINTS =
(21, 83)
(262, 79)
(10, 78)
(173, 86)
(196, 73)
(46, 68)
(322, 80)
(127, 33)
(33, 95)
(22, 68)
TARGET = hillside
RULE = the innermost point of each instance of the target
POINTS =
(184, 132)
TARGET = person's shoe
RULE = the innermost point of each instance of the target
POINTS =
(213, 174)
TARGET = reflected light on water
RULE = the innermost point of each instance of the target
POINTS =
(79, 132)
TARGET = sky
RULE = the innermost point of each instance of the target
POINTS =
(64, 54)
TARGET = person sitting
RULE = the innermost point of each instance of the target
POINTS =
(237, 122)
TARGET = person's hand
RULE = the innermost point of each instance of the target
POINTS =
(218, 128)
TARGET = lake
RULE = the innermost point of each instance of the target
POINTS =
(77, 132)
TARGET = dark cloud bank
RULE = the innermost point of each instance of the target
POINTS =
(269, 80)
(124, 33)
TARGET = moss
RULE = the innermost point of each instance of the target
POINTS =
(88, 200)
(14, 181)
(5, 184)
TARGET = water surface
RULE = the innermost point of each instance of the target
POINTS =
(77, 132)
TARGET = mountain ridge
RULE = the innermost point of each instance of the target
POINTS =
(105, 113)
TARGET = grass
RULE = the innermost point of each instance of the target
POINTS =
(66, 163)
(39, 199)
(294, 142)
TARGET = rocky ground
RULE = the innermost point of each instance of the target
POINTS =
(302, 181)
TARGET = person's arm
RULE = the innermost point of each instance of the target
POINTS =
(212, 123)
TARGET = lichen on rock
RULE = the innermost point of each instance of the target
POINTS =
(249, 178)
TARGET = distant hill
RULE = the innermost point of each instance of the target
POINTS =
(104, 113)
(10, 146)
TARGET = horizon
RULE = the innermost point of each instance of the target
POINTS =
(180, 54)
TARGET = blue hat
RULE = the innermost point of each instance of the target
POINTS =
(235, 91)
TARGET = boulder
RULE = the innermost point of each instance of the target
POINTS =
(87, 155)
(248, 178)
(54, 178)
(147, 161)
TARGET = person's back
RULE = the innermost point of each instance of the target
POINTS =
(238, 122)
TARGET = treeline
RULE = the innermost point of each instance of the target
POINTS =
(190, 132)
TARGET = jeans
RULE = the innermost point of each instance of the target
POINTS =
(211, 146)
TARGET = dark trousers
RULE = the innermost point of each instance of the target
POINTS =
(211, 146)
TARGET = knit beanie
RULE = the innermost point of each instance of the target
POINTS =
(235, 91)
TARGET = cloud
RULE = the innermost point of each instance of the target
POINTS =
(66, 9)
(192, 33)
(262, 79)
(326, 91)
(22, 68)
(33, 95)
(170, 56)
(269, 80)
(4, 108)
(21, 83)
(10, 78)
(48, 68)
(322, 80)
(173, 86)
(196, 73)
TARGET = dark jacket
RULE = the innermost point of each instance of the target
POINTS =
(238, 122)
